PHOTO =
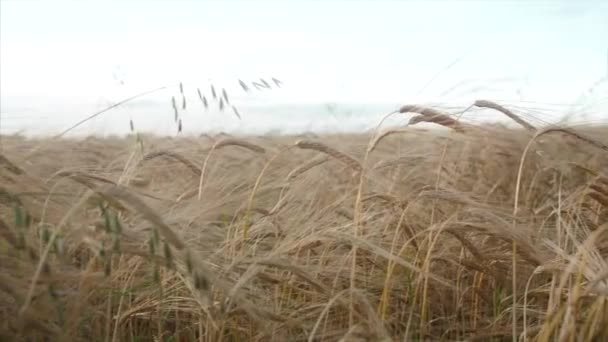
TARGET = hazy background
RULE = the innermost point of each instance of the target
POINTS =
(343, 64)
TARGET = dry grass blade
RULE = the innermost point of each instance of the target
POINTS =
(505, 111)
(317, 146)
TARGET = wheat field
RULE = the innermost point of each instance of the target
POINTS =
(464, 233)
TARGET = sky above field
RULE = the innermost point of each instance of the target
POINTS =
(61, 60)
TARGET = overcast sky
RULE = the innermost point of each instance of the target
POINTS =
(57, 53)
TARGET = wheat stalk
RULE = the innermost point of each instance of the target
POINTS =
(305, 167)
(317, 146)
(175, 156)
(376, 141)
(513, 116)
(221, 144)
(431, 115)
(574, 134)
(239, 142)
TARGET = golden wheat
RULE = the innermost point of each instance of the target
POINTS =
(421, 248)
